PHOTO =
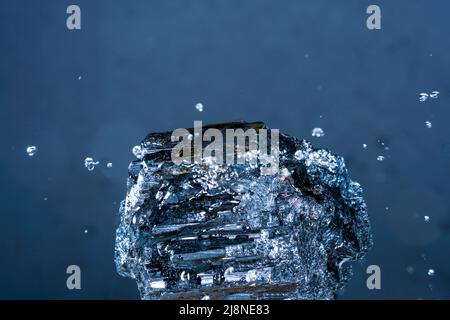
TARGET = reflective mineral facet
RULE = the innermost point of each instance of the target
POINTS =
(203, 231)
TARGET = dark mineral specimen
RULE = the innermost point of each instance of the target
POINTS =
(225, 231)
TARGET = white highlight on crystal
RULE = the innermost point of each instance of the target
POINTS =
(137, 151)
(159, 284)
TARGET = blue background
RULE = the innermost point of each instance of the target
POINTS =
(145, 64)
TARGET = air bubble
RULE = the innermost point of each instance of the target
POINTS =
(199, 107)
(31, 150)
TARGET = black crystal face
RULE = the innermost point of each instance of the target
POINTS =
(226, 231)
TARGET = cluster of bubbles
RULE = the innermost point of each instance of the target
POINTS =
(199, 107)
(424, 96)
(317, 132)
(90, 164)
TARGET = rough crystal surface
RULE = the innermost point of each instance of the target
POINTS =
(202, 231)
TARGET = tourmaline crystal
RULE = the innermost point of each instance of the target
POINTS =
(203, 231)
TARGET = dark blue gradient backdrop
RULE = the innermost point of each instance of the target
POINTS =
(145, 64)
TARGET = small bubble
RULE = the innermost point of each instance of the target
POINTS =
(434, 95)
(199, 107)
(190, 137)
(430, 272)
(31, 150)
(380, 158)
(410, 269)
(86, 231)
(423, 97)
(428, 124)
(45, 198)
(79, 77)
(306, 55)
(364, 146)
(90, 164)
(109, 165)
(317, 132)
(299, 155)
(426, 218)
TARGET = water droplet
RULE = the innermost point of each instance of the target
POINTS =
(434, 95)
(426, 218)
(109, 165)
(199, 107)
(428, 124)
(430, 272)
(380, 158)
(90, 164)
(317, 132)
(137, 151)
(364, 146)
(299, 155)
(410, 269)
(31, 150)
(423, 97)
